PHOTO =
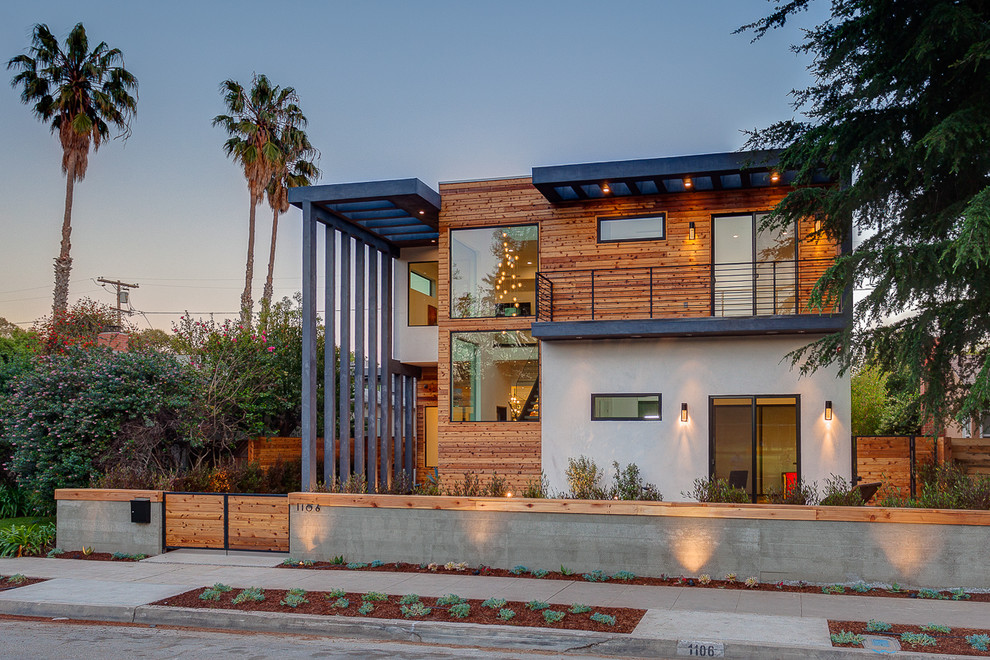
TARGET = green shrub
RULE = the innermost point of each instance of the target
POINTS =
(537, 605)
(624, 576)
(837, 492)
(519, 570)
(833, 589)
(979, 642)
(537, 488)
(552, 616)
(17, 578)
(505, 614)
(918, 639)
(409, 599)
(947, 486)
(334, 594)
(415, 610)
(449, 599)
(294, 600)
(596, 576)
(366, 608)
(494, 603)
(846, 637)
(583, 475)
(936, 628)
(25, 540)
(340, 604)
(578, 608)
(712, 489)
(801, 492)
(605, 619)
(877, 626)
(539, 572)
(629, 485)
(374, 596)
(460, 610)
(931, 594)
(253, 594)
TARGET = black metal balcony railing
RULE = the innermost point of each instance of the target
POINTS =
(765, 288)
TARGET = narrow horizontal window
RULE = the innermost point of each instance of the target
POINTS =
(632, 228)
(617, 407)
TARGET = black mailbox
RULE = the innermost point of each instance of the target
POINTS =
(141, 510)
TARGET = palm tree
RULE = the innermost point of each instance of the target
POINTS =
(296, 168)
(254, 121)
(81, 92)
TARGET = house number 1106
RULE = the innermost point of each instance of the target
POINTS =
(307, 507)
(701, 649)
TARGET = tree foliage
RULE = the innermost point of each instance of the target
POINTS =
(899, 112)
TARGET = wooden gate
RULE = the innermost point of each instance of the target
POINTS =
(226, 521)
(893, 459)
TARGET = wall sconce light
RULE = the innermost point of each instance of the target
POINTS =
(605, 189)
(688, 182)
(818, 226)
(774, 177)
(828, 411)
(691, 230)
(684, 416)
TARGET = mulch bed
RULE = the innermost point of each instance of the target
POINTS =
(952, 643)
(93, 556)
(6, 584)
(625, 618)
(665, 581)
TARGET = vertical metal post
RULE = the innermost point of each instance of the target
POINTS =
(309, 350)
(360, 322)
(329, 359)
(372, 368)
(345, 358)
(397, 425)
(410, 426)
(387, 426)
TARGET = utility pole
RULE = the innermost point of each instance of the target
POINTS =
(122, 297)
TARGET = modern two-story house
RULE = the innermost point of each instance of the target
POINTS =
(632, 311)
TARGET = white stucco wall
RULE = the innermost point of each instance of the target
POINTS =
(416, 344)
(670, 453)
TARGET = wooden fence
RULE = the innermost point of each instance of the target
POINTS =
(972, 454)
(893, 459)
(225, 521)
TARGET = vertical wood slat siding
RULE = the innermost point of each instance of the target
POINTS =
(426, 396)
(568, 241)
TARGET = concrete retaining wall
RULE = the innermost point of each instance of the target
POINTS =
(925, 555)
(106, 526)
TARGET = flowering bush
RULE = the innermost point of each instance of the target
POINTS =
(74, 414)
(78, 326)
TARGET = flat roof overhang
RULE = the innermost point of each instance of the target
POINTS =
(397, 213)
(738, 170)
(708, 326)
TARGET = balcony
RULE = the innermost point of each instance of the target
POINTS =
(766, 297)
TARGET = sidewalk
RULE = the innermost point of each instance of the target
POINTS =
(759, 621)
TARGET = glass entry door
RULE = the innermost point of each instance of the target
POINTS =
(754, 443)
(755, 270)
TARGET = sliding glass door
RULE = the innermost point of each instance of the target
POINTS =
(755, 269)
(754, 442)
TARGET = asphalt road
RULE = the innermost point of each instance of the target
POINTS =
(38, 640)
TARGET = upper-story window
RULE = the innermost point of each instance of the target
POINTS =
(423, 292)
(632, 228)
(493, 271)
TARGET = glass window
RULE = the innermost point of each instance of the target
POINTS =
(493, 271)
(423, 292)
(985, 425)
(632, 228)
(494, 376)
(625, 407)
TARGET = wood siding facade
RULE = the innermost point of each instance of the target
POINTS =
(568, 240)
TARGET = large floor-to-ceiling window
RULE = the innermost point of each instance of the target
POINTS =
(494, 376)
(493, 271)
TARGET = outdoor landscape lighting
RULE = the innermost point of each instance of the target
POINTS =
(774, 177)
(606, 189)
(828, 411)
(684, 415)
(691, 230)
(688, 182)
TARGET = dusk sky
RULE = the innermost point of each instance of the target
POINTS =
(429, 89)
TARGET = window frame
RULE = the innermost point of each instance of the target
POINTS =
(450, 372)
(409, 274)
(611, 218)
(450, 268)
(627, 395)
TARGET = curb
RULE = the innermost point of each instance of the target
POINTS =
(514, 638)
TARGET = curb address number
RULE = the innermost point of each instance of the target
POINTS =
(698, 649)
